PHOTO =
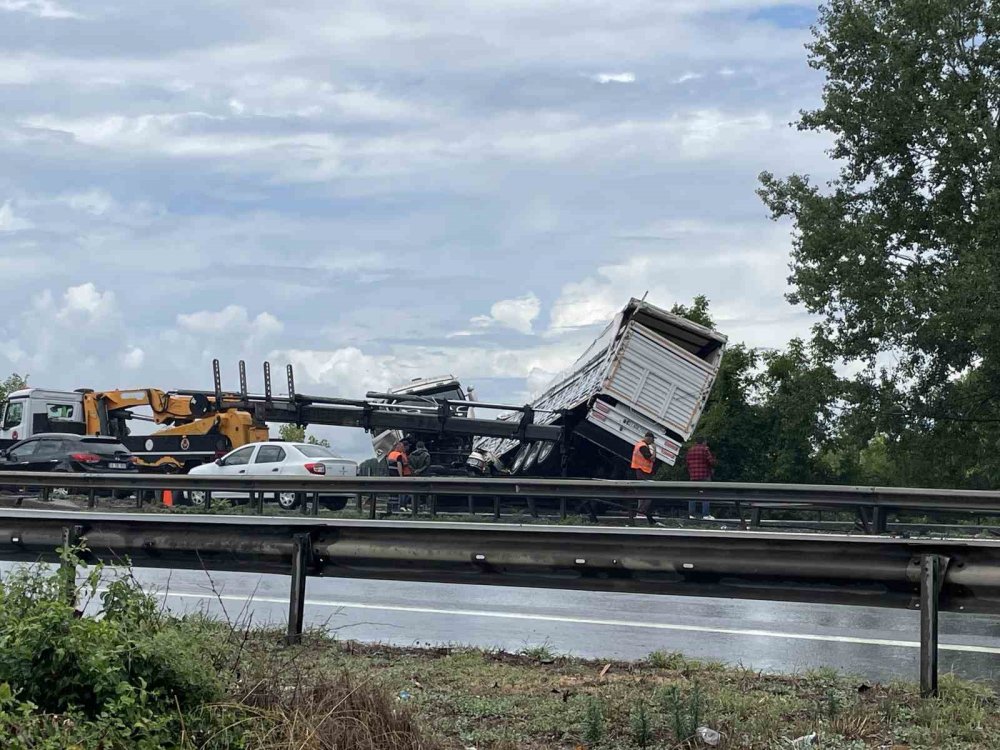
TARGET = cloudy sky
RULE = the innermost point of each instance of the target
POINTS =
(377, 190)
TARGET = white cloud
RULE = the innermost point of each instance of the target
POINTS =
(350, 371)
(133, 358)
(684, 78)
(85, 302)
(741, 268)
(40, 8)
(9, 221)
(518, 314)
(626, 77)
(231, 320)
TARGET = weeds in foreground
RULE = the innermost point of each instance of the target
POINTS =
(685, 715)
(593, 730)
(540, 653)
(665, 660)
(642, 727)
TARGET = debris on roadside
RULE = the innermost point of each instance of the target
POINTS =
(708, 736)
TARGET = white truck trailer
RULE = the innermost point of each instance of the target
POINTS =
(648, 370)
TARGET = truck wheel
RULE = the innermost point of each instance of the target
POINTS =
(288, 500)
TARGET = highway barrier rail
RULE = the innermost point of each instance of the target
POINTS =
(927, 574)
(877, 501)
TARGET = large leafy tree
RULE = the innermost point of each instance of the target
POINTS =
(900, 253)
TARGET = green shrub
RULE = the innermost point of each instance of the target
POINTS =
(126, 675)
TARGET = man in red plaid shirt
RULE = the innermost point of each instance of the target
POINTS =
(700, 461)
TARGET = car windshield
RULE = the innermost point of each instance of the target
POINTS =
(314, 451)
(102, 447)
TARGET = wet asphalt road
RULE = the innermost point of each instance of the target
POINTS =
(876, 644)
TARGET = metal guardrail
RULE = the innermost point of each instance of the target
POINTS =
(872, 504)
(578, 489)
(950, 575)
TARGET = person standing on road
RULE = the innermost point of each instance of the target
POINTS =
(420, 462)
(643, 466)
(398, 461)
(700, 462)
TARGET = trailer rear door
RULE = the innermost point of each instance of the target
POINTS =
(659, 379)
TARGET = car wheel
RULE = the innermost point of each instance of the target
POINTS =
(196, 498)
(288, 500)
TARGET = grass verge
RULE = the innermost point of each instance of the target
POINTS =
(500, 701)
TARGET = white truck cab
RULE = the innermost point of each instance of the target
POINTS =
(31, 411)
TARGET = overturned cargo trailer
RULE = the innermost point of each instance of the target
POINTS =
(649, 370)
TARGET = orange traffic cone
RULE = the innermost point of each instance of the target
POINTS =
(168, 498)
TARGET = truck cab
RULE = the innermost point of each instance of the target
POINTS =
(31, 411)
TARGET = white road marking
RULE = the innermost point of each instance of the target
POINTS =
(592, 621)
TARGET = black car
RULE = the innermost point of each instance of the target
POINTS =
(56, 451)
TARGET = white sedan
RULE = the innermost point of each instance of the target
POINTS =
(276, 459)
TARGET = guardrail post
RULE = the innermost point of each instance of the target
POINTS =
(879, 520)
(930, 587)
(755, 517)
(496, 507)
(315, 504)
(562, 508)
(303, 501)
(472, 505)
(91, 498)
(373, 507)
(433, 502)
(301, 552)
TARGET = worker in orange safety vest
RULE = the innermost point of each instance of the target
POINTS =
(398, 463)
(643, 466)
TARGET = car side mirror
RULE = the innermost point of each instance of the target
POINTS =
(218, 462)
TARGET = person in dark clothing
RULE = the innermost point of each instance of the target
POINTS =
(420, 459)
(700, 463)
(644, 467)
(420, 462)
